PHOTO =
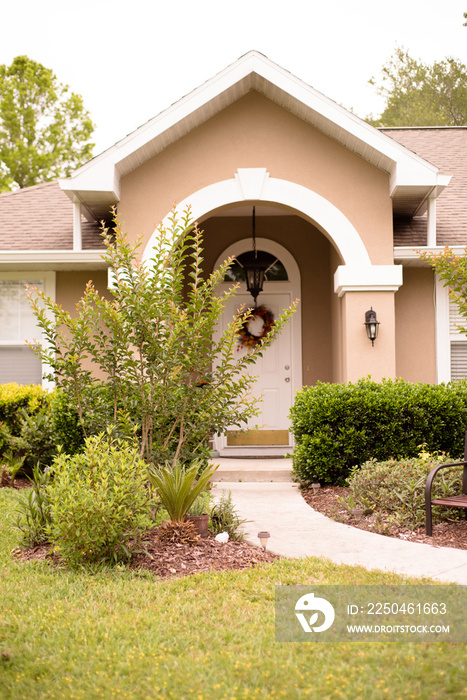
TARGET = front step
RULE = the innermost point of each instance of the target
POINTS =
(253, 470)
(257, 452)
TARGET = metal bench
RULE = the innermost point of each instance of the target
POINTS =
(459, 501)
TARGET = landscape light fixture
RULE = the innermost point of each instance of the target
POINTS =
(371, 325)
(263, 538)
(254, 266)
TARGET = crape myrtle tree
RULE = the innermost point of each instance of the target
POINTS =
(45, 131)
(152, 341)
(453, 270)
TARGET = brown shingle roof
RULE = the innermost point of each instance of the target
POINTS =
(445, 147)
(41, 218)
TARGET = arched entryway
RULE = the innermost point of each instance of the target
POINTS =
(342, 283)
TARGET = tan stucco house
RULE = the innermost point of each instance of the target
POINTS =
(343, 206)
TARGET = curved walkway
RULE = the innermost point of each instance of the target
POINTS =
(297, 530)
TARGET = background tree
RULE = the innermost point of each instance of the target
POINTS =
(418, 94)
(44, 129)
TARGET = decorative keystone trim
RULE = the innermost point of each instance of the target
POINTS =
(251, 182)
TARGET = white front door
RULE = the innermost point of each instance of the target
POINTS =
(274, 372)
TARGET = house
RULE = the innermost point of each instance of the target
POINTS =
(341, 206)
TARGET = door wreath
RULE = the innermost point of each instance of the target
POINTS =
(246, 338)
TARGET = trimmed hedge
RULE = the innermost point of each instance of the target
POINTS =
(14, 397)
(339, 426)
(16, 402)
(33, 422)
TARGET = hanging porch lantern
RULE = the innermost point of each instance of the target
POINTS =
(254, 267)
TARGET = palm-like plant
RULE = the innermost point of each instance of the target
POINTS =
(179, 486)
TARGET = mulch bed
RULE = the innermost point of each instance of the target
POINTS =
(169, 560)
(445, 534)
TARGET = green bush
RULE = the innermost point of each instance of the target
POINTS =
(338, 426)
(202, 504)
(67, 430)
(13, 397)
(224, 518)
(35, 422)
(34, 517)
(396, 488)
(17, 401)
(100, 502)
(152, 344)
(178, 486)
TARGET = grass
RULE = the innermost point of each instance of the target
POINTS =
(121, 634)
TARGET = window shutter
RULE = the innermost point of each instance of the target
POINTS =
(455, 320)
(458, 343)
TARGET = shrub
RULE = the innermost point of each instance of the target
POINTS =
(178, 487)
(35, 440)
(10, 466)
(224, 518)
(152, 345)
(202, 504)
(34, 510)
(17, 403)
(34, 422)
(338, 426)
(397, 487)
(100, 502)
(13, 397)
(67, 429)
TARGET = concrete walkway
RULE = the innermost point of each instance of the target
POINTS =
(264, 494)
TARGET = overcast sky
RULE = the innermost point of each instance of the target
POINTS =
(131, 59)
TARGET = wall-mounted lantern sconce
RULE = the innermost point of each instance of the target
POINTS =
(371, 325)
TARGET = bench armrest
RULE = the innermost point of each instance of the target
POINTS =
(435, 470)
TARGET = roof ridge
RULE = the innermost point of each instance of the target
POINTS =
(32, 187)
(420, 128)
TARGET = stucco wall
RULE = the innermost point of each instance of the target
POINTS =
(255, 132)
(415, 327)
(70, 287)
(360, 358)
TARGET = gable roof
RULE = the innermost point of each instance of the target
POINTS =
(445, 147)
(412, 179)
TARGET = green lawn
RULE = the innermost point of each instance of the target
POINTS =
(125, 635)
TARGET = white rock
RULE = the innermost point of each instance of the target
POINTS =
(222, 537)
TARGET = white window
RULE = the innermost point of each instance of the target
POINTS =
(18, 363)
